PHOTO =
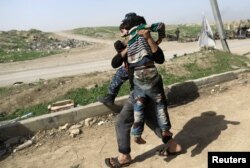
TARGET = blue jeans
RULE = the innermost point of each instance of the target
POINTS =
(149, 84)
(118, 79)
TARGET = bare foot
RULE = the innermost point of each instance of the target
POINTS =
(174, 147)
(120, 161)
(124, 158)
(139, 140)
(167, 133)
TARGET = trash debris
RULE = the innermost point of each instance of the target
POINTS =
(30, 114)
(23, 146)
(26, 115)
(101, 123)
(61, 105)
(17, 83)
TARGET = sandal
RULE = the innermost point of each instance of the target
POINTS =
(114, 163)
(166, 152)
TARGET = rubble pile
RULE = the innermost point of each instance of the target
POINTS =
(35, 40)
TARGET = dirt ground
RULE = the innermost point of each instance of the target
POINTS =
(218, 120)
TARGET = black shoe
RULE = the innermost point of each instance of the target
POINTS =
(108, 99)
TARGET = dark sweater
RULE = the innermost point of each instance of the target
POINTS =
(118, 60)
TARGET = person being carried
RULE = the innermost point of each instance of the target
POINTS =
(147, 81)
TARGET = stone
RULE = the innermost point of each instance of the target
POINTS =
(75, 126)
(64, 127)
(88, 121)
(100, 123)
(74, 132)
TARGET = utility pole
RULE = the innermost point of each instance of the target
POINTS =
(219, 24)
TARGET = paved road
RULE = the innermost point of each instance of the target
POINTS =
(92, 58)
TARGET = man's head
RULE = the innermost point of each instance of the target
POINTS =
(131, 20)
(129, 15)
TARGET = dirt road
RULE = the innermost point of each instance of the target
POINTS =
(212, 122)
(90, 59)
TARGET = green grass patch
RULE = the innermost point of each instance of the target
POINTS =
(110, 32)
(14, 56)
(85, 96)
(80, 96)
(5, 91)
(37, 110)
(224, 62)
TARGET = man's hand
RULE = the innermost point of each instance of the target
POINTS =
(145, 33)
(119, 46)
(158, 41)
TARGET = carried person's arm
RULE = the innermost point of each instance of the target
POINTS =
(156, 50)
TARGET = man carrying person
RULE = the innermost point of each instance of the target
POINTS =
(125, 118)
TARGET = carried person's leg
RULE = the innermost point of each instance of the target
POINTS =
(157, 118)
(139, 107)
(171, 146)
(118, 79)
(157, 94)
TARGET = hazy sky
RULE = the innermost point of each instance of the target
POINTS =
(52, 15)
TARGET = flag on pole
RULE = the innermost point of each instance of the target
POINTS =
(206, 38)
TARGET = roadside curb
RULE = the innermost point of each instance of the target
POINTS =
(175, 92)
